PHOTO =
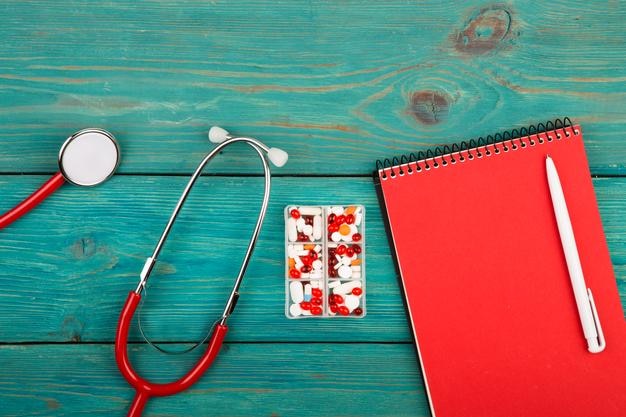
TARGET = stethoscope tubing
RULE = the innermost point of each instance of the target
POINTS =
(33, 200)
(145, 389)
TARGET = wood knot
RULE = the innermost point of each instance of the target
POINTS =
(84, 248)
(484, 31)
(429, 107)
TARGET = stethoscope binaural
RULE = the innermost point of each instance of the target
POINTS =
(87, 158)
(144, 388)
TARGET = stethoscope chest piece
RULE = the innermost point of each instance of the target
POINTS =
(89, 157)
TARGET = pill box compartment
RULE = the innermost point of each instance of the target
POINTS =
(338, 248)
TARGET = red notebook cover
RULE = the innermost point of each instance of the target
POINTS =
(486, 283)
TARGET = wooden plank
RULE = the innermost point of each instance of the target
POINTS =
(336, 85)
(67, 267)
(245, 380)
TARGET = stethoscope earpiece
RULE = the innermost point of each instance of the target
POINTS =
(277, 156)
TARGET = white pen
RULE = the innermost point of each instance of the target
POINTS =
(584, 300)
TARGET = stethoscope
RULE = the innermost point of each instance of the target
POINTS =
(87, 158)
(144, 388)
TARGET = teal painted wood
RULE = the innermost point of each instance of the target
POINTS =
(336, 84)
(245, 380)
(68, 266)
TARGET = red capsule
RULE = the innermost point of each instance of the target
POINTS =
(332, 228)
(294, 273)
(350, 252)
(357, 291)
(332, 273)
(332, 261)
(337, 299)
(305, 305)
(333, 307)
(316, 292)
(308, 220)
(357, 311)
(306, 269)
(295, 214)
(341, 219)
(356, 237)
(331, 218)
(343, 310)
(341, 249)
(313, 255)
(306, 259)
(357, 249)
(316, 310)
(350, 218)
(316, 301)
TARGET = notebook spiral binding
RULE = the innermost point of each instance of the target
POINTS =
(474, 148)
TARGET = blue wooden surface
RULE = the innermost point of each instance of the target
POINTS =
(337, 85)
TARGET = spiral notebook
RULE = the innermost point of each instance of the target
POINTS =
(485, 281)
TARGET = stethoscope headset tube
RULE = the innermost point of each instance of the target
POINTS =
(145, 389)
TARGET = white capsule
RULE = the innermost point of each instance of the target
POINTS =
(316, 284)
(317, 248)
(291, 252)
(338, 265)
(300, 224)
(317, 264)
(302, 252)
(295, 310)
(356, 274)
(351, 301)
(310, 211)
(316, 274)
(299, 246)
(337, 210)
(356, 268)
(345, 271)
(353, 229)
(308, 230)
(298, 261)
(346, 260)
(346, 287)
(336, 236)
(292, 232)
(295, 289)
(317, 227)
(357, 218)
(307, 275)
(306, 312)
(307, 292)
(334, 284)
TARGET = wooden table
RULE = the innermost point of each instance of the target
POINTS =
(337, 86)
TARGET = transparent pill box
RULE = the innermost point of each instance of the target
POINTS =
(325, 261)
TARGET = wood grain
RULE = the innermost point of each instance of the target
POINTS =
(336, 85)
(245, 380)
(68, 283)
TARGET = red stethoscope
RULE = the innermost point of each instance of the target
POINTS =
(144, 388)
(87, 158)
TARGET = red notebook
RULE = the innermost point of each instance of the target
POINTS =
(485, 280)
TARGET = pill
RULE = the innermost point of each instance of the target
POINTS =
(333, 284)
(310, 211)
(357, 291)
(344, 229)
(295, 213)
(307, 230)
(298, 247)
(308, 290)
(345, 271)
(350, 210)
(356, 275)
(346, 287)
(337, 265)
(356, 268)
(317, 227)
(292, 232)
(317, 264)
(335, 237)
(351, 301)
(346, 260)
(316, 284)
(316, 274)
(295, 310)
(355, 262)
(298, 261)
(317, 248)
(306, 312)
(299, 224)
(337, 210)
(307, 275)
(357, 219)
(296, 291)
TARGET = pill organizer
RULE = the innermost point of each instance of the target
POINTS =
(325, 261)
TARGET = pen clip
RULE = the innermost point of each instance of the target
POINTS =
(596, 320)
